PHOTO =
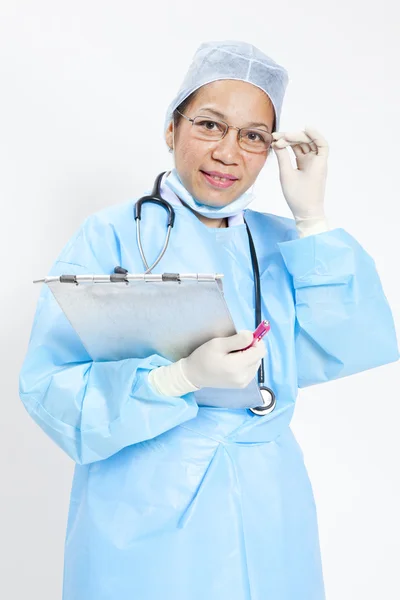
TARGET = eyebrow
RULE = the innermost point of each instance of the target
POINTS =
(222, 116)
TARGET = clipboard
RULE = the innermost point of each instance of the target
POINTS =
(123, 316)
(126, 315)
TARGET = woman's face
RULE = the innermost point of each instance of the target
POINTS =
(238, 103)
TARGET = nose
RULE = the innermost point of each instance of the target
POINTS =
(227, 150)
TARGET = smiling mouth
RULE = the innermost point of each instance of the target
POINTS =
(220, 177)
(218, 182)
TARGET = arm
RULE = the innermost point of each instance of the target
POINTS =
(91, 409)
(344, 324)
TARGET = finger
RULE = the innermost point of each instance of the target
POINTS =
(312, 144)
(237, 341)
(284, 143)
(305, 148)
(317, 139)
(278, 134)
(239, 361)
(284, 160)
(310, 135)
(281, 143)
(252, 355)
(258, 346)
(298, 150)
(262, 349)
(294, 137)
(247, 359)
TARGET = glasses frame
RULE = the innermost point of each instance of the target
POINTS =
(228, 127)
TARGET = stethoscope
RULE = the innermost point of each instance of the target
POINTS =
(267, 394)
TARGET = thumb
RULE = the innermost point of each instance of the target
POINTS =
(238, 341)
(283, 158)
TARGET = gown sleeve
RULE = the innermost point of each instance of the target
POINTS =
(344, 323)
(91, 409)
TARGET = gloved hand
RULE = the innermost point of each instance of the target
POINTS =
(304, 187)
(213, 364)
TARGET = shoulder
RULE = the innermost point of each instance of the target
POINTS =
(280, 228)
(108, 221)
(110, 216)
(98, 236)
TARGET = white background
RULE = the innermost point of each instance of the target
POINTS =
(84, 89)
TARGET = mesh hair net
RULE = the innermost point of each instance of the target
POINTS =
(233, 60)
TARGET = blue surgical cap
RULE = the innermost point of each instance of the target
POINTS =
(233, 60)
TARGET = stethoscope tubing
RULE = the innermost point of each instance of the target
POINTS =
(163, 251)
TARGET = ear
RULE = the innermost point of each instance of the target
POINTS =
(169, 135)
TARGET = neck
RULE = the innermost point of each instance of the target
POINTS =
(216, 223)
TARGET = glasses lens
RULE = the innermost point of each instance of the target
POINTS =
(206, 129)
(255, 140)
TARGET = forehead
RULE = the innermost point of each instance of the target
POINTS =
(235, 99)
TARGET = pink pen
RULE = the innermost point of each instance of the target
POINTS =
(258, 334)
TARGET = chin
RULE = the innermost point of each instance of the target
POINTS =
(213, 202)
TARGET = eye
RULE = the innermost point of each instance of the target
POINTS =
(255, 136)
(209, 125)
(209, 128)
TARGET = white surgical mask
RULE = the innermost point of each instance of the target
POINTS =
(174, 182)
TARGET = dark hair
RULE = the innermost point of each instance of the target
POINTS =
(183, 106)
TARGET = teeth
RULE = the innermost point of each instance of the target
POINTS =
(219, 178)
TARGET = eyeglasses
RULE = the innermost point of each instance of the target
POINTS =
(249, 139)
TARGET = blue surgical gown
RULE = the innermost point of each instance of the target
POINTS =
(171, 500)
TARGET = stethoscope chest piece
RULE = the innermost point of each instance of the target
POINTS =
(269, 402)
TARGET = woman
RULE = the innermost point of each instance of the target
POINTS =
(172, 500)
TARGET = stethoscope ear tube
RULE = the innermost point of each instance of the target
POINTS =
(155, 198)
(164, 203)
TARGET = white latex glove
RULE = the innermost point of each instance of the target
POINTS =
(304, 187)
(213, 364)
